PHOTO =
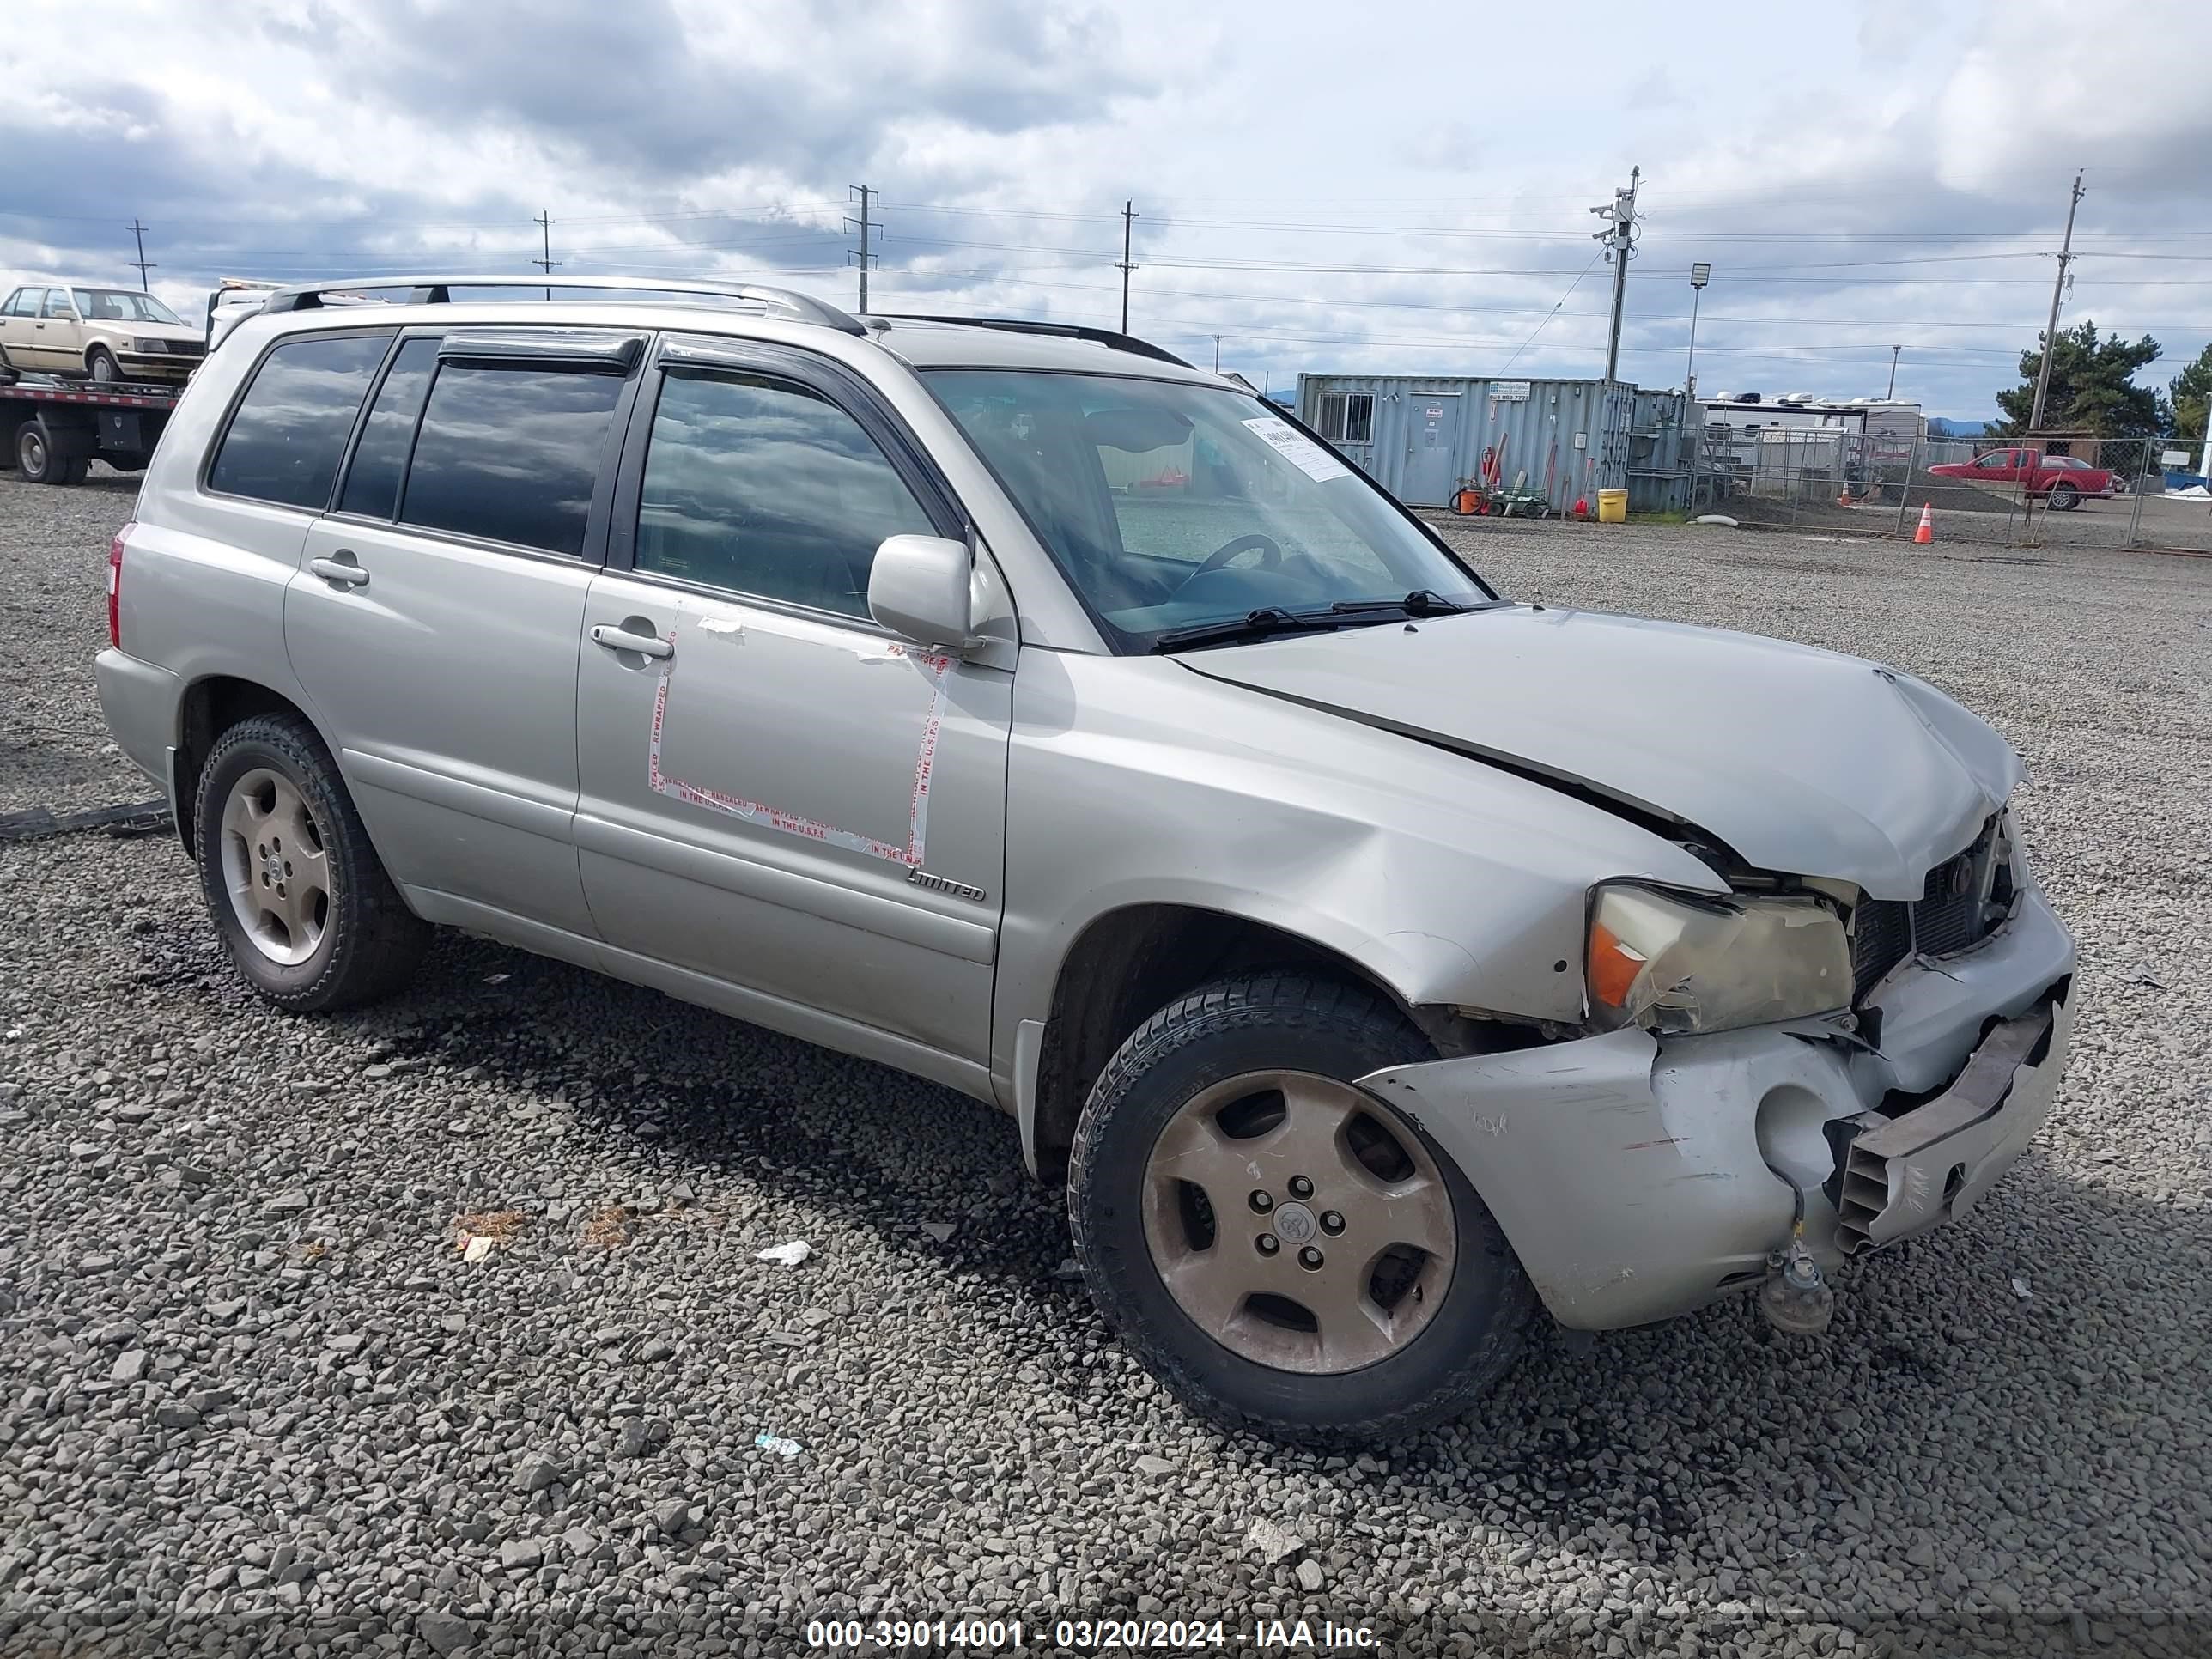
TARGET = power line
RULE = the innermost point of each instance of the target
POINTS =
(1554, 310)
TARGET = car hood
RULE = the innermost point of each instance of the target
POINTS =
(1801, 761)
(148, 331)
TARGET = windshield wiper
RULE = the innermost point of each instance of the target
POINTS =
(1252, 625)
(1419, 603)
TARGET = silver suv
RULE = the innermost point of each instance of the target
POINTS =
(1376, 960)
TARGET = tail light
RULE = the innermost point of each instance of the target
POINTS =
(115, 587)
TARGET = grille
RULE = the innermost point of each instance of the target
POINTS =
(187, 348)
(1948, 916)
(1881, 938)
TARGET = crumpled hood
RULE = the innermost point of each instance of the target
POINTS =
(1802, 761)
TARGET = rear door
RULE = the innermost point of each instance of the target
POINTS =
(15, 315)
(435, 620)
(778, 796)
(47, 333)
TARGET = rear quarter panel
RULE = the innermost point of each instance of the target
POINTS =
(204, 575)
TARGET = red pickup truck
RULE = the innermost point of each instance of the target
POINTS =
(2062, 477)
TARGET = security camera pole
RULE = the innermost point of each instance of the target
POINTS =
(1622, 216)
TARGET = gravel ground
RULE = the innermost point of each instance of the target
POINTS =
(253, 1398)
(54, 750)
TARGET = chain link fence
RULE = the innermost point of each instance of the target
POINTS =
(2053, 492)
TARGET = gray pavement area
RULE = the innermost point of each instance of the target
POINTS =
(256, 1396)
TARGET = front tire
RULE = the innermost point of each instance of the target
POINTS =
(1227, 1123)
(100, 363)
(298, 895)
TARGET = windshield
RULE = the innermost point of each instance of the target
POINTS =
(120, 305)
(1172, 505)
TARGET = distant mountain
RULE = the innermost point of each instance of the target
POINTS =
(1942, 429)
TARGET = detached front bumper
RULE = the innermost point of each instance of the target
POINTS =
(1639, 1178)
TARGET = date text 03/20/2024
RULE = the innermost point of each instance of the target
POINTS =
(1092, 1635)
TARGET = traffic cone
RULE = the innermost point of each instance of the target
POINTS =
(1926, 533)
(1844, 499)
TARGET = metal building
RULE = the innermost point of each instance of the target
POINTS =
(1419, 436)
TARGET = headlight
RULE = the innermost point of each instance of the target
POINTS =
(147, 345)
(1679, 963)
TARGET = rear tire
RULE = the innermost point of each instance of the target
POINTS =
(2064, 498)
(1322, 1034)
(316, 925)
(40, 462)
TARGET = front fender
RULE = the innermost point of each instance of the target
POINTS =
(1131, 783)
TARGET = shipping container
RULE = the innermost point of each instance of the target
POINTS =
(1421, 437)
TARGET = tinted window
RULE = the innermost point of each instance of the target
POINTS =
(511, 453)
(285, 440)
(372, 484)
(14, 306)
(763, 487)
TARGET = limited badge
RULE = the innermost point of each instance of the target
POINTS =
(919, 877)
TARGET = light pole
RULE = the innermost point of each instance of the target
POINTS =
(1700, 274)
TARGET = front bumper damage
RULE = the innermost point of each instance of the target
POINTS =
(1638, 1178)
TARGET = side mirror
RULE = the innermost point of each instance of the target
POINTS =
(918, 588)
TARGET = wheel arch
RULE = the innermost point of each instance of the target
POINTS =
(210, 707)
(1127, 963)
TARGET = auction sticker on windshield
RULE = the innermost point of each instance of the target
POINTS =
(1300, 451)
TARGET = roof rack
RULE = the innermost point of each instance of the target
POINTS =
(1105, 336)
(438, 290)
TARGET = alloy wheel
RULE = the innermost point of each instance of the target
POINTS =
(275, 868)
(1298, 1223)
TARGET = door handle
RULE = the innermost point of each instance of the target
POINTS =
(621, 639)
(342, 570)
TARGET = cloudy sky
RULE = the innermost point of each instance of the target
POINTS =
(1383, 188)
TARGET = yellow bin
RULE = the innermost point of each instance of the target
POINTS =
(1612, 507)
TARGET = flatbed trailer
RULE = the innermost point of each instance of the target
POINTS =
(52, 430)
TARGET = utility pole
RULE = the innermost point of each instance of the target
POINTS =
(1619, 239)
(1217, 354)
(1128, 217)
(142, 264)
(865, 225)
(545, 242)
(1890, 396)
(2050, 328)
